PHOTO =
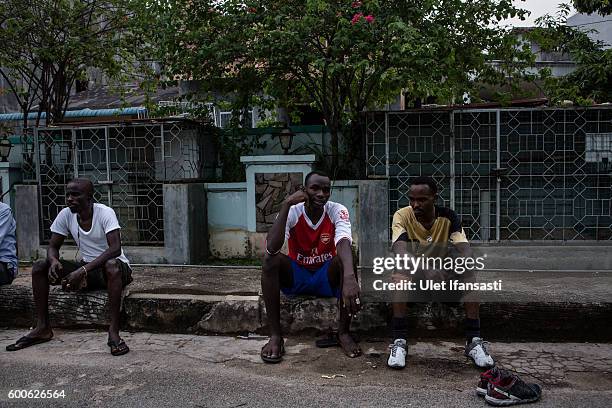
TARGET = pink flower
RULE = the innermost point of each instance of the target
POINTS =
(369, 18)
(356, 4)
(356, 18)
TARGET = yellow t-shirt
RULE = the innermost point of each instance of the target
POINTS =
(433, 242)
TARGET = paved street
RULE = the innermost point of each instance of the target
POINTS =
(199, 371)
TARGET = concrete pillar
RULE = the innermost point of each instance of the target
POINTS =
(271, 164)
(373, 232)
(10, 173)
(27, 218)
(185, 223)
(373, 220)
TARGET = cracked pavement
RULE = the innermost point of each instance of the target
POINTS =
(220, 371)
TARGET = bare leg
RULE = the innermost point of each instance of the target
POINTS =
(115, 287)
(335, 275)
(40, 289)
(276, 271)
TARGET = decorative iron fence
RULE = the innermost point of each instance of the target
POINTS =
(511, 174)
(128, 164)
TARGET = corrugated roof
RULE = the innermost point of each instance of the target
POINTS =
(81, 113)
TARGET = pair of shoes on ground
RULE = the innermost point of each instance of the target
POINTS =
(477, 350)
(503, 388)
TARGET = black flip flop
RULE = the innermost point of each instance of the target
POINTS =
(330, 341)
(25, 342)
(273, 360)
(118, 348)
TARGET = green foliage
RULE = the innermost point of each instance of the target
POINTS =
(341, 56)
(590, 82)
(47, 45)
(270, 123)
(603, 7)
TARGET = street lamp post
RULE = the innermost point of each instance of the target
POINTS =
(286, 138)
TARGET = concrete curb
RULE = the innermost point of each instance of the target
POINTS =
(228, 314)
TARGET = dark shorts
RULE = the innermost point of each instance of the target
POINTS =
(96, 278)
(7, 274)
(314, 283)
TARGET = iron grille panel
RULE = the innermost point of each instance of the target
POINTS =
(127, 164)
(511, 174)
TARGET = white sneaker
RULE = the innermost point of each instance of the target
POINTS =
(397, 355)
(477, 351)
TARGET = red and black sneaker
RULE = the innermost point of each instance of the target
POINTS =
(485, 378)
(511, 390)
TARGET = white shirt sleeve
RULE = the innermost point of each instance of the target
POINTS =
(110, 221)
(292, 218)
(60, 224)
(341, 219)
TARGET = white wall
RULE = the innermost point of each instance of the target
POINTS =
(227, 218)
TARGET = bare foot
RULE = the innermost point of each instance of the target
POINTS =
(41, 333)
(274, 349)
(114, 336)
(349, 346)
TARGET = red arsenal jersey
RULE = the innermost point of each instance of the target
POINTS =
(311, 245)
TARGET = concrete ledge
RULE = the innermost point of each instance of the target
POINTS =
(227, 300)
(66, 309)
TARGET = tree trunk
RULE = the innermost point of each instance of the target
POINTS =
(333, 130)
(355, 143)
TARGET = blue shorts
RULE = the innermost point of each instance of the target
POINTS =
(306, 282)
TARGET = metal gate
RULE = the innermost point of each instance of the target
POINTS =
(128, 165)
(511, 174)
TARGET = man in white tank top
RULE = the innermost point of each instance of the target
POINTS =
(96, 232)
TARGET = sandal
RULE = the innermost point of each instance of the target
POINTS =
(26, 341)
(273, 360)
(118, 348)
(332, 340)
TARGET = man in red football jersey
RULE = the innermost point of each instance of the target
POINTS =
(320, 261)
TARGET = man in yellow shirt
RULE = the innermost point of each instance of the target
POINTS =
(424, 229)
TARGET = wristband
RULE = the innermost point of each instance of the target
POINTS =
(272, 253)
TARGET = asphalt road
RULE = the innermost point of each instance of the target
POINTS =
(165, 370)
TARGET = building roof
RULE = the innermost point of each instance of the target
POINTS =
(106, 97)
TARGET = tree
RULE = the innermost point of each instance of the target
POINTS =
(47, 45)
(341, 56)
(603, 7)
(590, 82)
